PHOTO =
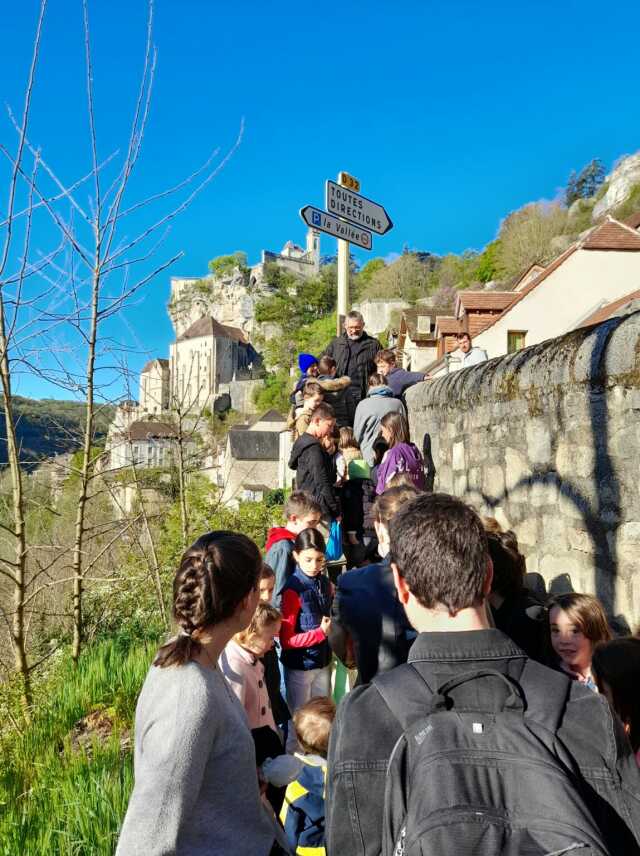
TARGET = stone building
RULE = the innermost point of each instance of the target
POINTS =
(155, 386)
(205, 360)
(302, 261)
(143, 442)
(380, 313)
(253, 459)
(417, 343)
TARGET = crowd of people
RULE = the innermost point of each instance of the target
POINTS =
(481, 718)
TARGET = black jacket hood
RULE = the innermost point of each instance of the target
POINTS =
(303, 442)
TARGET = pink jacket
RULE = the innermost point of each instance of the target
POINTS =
(245, 675)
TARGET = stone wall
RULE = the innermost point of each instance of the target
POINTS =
(378, 313)
(547, 440)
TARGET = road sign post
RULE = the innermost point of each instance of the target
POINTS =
(343, 275)
(350, 218)
(351, 206)
(330, 225)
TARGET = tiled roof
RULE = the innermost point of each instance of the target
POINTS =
(612, 309)
(151, 431)
(149, 365)
(475, 324)
(208, 326)
(447, 325)
(486, 299)
(612, 235)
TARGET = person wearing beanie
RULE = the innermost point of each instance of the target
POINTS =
(308, 365)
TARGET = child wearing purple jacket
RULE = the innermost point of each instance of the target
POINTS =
(402, 457)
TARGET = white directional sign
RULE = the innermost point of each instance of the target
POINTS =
(357, 209)
(318, 219)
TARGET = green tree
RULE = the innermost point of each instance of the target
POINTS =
(406, 278)
(586, 183)
(275, 392)
(225, 265)
(526, 235)
(363, 277)
(488, 267)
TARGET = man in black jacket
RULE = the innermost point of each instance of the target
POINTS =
(354, 352)
(314, 473)
(369, 627)
(443, 574)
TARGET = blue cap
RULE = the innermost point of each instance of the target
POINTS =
(305, 361)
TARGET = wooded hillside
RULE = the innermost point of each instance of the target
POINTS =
(47, 427)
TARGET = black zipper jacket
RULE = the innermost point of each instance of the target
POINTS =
(365, 732)
(356, 358)
(314, 474)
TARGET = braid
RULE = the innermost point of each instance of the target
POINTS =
(215, 575)
(188, 594)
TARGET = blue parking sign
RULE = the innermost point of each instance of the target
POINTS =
(316, 218)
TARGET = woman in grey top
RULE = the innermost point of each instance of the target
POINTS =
(196, 786)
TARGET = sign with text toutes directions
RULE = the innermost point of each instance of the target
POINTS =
(318, 219)
(359, 210)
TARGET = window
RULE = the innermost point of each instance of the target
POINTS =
(515, 340)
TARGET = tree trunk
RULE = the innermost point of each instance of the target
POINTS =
(182, 487)
(155, 570)
(83, 495)
(19, 565)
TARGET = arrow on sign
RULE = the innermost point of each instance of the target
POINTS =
(343, 202)
(318, 219)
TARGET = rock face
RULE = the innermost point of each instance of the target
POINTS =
(230, 300)
(621, 179)
(547, 440)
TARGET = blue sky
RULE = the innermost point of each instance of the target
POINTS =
(451, 114)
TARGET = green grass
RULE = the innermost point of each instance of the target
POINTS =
(60, 801)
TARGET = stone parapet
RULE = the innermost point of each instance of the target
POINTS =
(547, 440)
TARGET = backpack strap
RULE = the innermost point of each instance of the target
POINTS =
(405, 692)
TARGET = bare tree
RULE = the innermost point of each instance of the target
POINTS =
(16, 570)
(90, 276)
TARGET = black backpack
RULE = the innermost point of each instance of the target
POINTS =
(462, 781)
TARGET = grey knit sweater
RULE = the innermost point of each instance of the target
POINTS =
(196, 788)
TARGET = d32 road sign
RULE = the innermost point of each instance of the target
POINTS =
(351, 206)
(318, 219)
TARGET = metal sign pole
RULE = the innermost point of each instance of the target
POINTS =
(343, 278)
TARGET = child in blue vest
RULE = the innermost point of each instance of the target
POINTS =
(303, 810)
(306, 606)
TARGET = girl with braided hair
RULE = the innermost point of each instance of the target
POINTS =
(196, 788)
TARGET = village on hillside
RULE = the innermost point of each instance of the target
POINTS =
(214, 368)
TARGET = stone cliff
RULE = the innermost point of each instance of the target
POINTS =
(229, 299)
(620, 182)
